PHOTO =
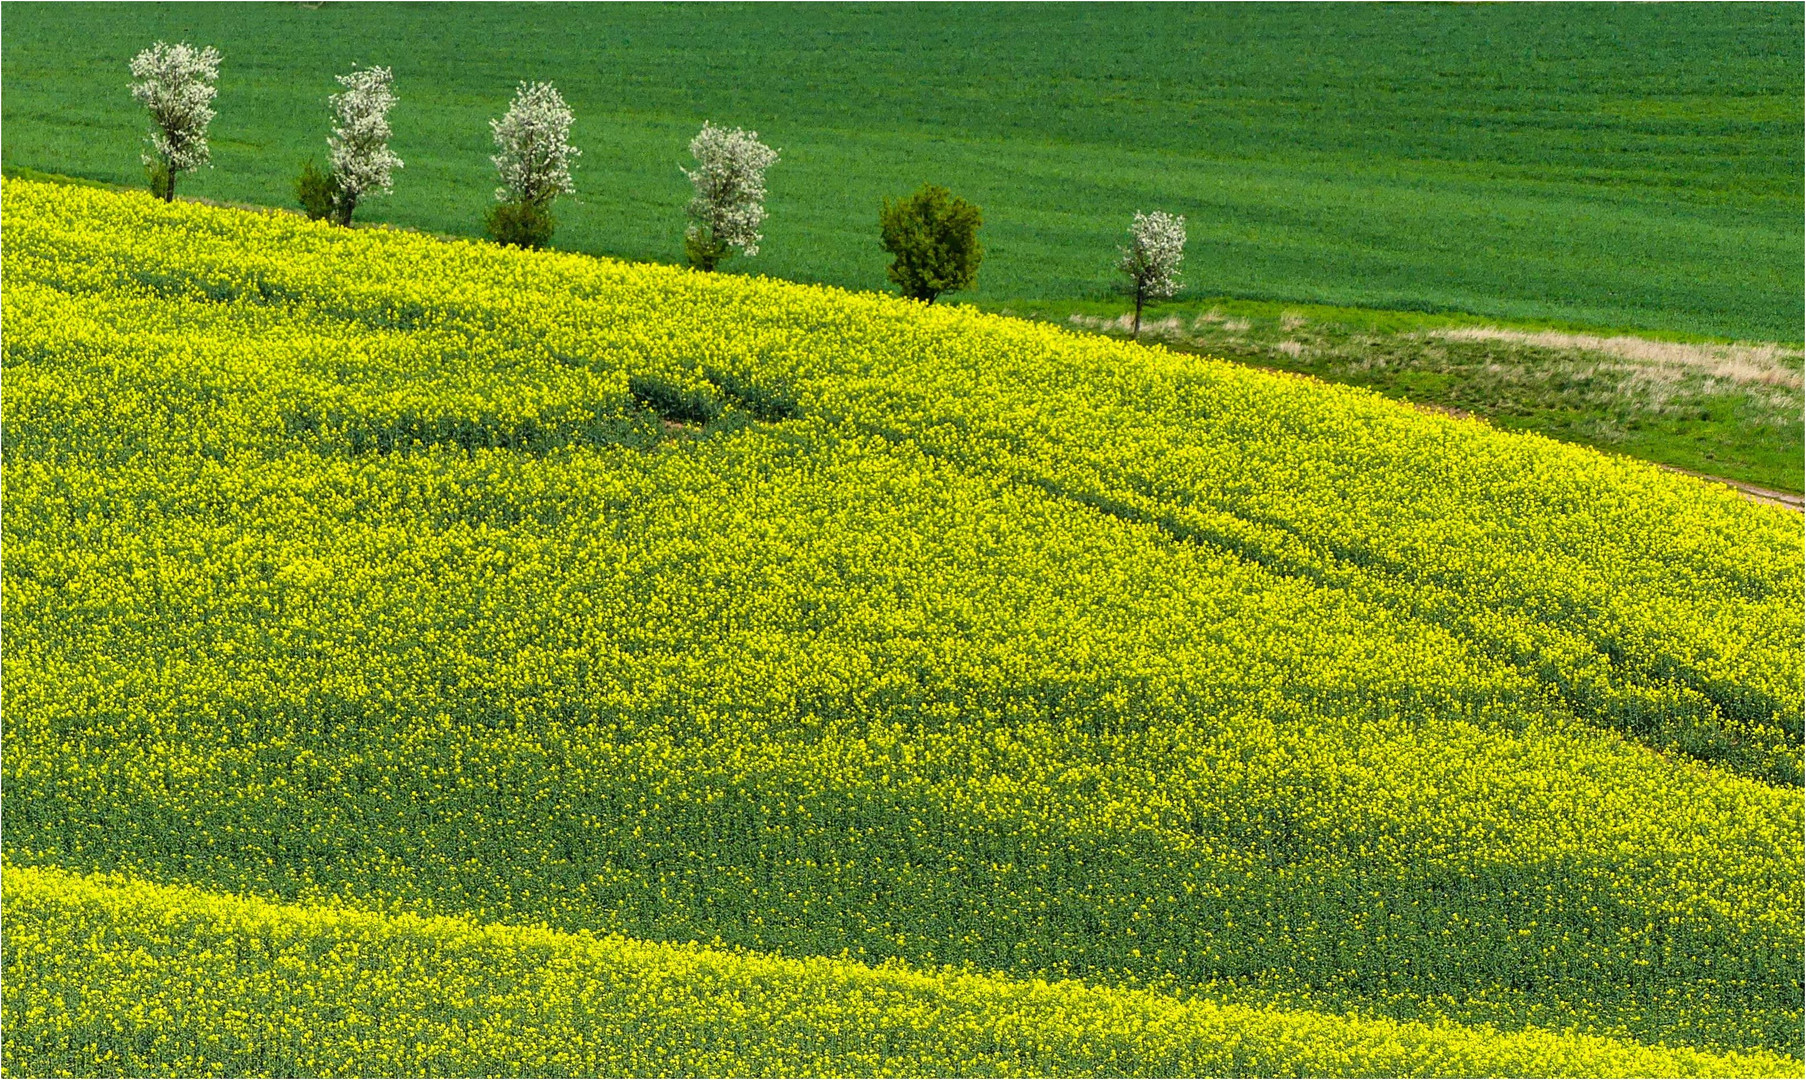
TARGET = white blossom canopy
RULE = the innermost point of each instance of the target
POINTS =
(361, 159)
(1156, 248)
(729, 179)
(175, 82)
(533, 140)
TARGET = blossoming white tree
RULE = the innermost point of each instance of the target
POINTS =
(1156, 247)
(362, 163)
(729, 203)
(534, 158)
(534, 149)
(175, 82)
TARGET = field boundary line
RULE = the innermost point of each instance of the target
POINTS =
(1796, 503)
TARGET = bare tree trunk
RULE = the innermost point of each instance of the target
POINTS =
(1139, 293)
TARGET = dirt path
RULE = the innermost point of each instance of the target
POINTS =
(1750, 491)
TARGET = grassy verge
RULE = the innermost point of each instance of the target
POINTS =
(1717, 407)
(22, 172)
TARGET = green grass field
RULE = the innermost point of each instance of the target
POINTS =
(1617, 166)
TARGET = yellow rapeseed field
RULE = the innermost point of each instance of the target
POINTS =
(222, 986)
(428, 642)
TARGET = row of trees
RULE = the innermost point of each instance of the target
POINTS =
(932, 234)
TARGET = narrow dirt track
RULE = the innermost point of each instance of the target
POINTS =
(1749, 491)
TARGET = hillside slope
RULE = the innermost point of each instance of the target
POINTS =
(359, 566)
(132, 979)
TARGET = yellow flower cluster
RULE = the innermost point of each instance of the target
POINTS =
(357, 566)
(108, 976)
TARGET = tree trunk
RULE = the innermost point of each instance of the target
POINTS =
(1139, 293)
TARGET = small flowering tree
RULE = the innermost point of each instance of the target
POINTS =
(1156, 247)
(534, 156)
(729, 203)
(175, 82)
(362, 163)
